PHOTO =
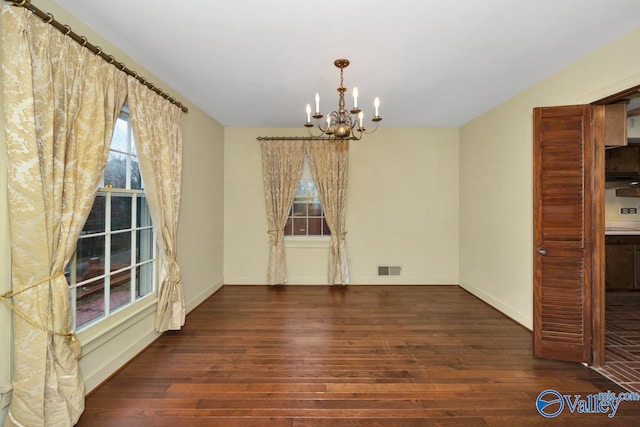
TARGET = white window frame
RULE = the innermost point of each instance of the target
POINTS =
(110, 317)
(306, 240)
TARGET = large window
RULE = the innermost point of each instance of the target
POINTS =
(306, 217)
(114, 264)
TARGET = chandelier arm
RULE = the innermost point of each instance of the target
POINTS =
(311, 134)
(374, 129)
(358, 137)
(323, 130)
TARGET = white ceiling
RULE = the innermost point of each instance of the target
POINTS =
(431, 63)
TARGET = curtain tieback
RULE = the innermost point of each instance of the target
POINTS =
(174, 268)
(71, 336)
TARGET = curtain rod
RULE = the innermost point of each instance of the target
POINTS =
(299, 138)
(66, 30)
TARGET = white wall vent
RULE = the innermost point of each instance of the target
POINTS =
(389, 270)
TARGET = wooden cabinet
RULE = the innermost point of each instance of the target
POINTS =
(622, 263)
(633, 191)
(615, 124)
(623, 161)
(620, 268)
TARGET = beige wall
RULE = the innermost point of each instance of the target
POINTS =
(200, 234)
(496, 185)
(201, 230)
(402, 209)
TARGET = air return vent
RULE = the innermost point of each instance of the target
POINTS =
(391, 270)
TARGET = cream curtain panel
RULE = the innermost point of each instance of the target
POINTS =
(282, 163)
(329, 164)
(157, 131)
(60, 102)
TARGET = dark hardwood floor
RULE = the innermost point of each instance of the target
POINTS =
(344, 356)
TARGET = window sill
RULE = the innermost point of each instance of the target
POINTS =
(94, 336)
(307, 242)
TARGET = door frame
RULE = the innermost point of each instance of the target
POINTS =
(597, 239)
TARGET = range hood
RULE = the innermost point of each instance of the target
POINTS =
(623, 181)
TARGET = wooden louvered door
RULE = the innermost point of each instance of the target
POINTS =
(566, 213)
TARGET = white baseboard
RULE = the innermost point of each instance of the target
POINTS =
(524, 320)
(110, 355)
(361, 280)
(203, 296)
(401, 280)
(246, 280)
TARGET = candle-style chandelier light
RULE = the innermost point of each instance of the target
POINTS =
(343, 123)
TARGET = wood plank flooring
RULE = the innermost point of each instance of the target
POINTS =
(622, 338)
(300, 356)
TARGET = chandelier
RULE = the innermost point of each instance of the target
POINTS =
(341, 123)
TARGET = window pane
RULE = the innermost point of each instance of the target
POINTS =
(120, 250)
(120, 288)
(115, 174)
(145, 245)
(95, 222)
(136, 178)
(288, 227)
(315, 209)
(300, 209)
(121, 211)
(89, 258)
(325, 228)
(120, 140)
(144, 279)
(89, 302)
(306, 170)
(306, 189)
(315, 226)
(299, 226)
(143, 216)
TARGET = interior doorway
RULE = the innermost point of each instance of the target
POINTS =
(569, 225)
(622, 255)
